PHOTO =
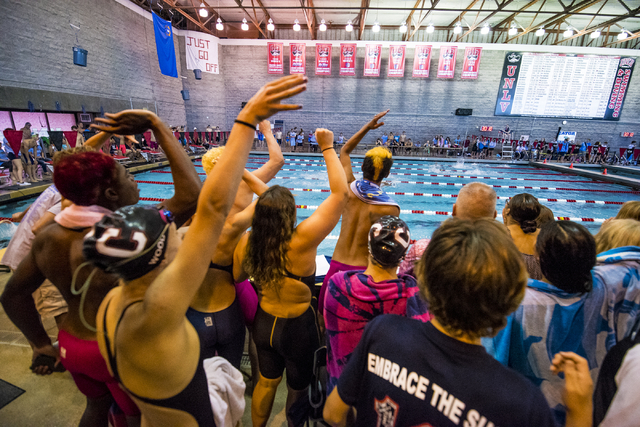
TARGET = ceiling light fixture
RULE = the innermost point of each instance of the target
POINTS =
(323, 26)
(595, 34)
(431, 28)
(270, 26)
(376, 27)
(485, 29)
(244, 26)
(296, 25)
(219, 25)
(540, 32)
(568, 32)
(457, 29)
(403, 28)
(513, 30)
(203, 12)
(623, 34)
(349, 26)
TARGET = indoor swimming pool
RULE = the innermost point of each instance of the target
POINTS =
(425, 191)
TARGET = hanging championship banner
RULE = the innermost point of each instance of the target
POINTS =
(276, 62)
(347, 59)
(297, 59)
(372, 58)
(201, 51)
(447, 64)
(471, 62)
(396, 61)
(323, 59)
(421, 61)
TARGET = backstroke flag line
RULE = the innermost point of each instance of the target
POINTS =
(164, 46)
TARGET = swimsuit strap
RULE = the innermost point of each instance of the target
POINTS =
(309, 280)
(112, 355)
(227, 268)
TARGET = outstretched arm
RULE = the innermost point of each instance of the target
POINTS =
(97, 140)
(266, 172)
(315, 228)
(169, 296)
(185, 178)
(352, 143)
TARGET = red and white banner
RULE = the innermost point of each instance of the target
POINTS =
(348, 59)
(323, 59)
(447, 64)
(372, 56)
(421, 60)
(471, 62)
(297, 58)
(397, 55)
(276, 58)
(201, 51)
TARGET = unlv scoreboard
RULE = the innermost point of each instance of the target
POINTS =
(563, 85)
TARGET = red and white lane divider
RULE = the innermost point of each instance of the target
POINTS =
(452, 184)
(453, 196)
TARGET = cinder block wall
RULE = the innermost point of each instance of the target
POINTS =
(36, 65)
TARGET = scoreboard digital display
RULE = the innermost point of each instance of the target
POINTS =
(626, 134)
(486, 128)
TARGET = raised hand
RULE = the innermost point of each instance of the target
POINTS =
(324, 137)
(373, 124)
(266, 102)
(127, 122)
(265, 127)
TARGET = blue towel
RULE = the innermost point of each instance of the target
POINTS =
(370, 193)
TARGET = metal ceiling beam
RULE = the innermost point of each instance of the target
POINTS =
(508, 19)
(558, 18)
(264, 9)
(361, 20)
(172, 4)
(467, 9)
(610, 22)
(434, 3)
(255, 22)
(409, 19)
(310, 17)
(474, 26)
(631, 37)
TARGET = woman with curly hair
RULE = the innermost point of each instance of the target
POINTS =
(280, 256)
(519, 215)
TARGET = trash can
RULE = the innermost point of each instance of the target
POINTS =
(198, 73)
(79, 56)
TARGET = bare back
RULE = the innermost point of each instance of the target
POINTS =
(58, 252)
(357, 218)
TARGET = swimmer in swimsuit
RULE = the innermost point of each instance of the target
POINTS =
(359, 214)
(221, 308)
(143, 331)
(281, 258)
(57, 253)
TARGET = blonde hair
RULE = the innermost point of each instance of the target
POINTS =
(377, 163)
(210, 159)
(617, 233)
(630, 210)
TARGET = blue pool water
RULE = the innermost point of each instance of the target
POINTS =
(304, 173)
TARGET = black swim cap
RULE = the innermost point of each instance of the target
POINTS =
(389, 240)
(129, 242)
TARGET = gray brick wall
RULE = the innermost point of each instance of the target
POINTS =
(36, 64)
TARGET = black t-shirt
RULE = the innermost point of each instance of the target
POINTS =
(407, 373)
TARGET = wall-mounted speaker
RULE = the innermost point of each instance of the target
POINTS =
(79, 56)
(464, 111)
(198, 73)
(185, 94)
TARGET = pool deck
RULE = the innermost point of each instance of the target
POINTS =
(626, 169)
(14, 193)
(614, 179)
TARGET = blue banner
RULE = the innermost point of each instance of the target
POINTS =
(164, 46)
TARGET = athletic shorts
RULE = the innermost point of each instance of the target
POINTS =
(334, 267)
(221, 333)
(84, 362)
(49, 301)
(12, 156)
(287, 343)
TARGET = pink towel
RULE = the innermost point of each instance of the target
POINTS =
(81, 216)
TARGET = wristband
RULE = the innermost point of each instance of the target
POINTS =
(245, 123)
(330, 148)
